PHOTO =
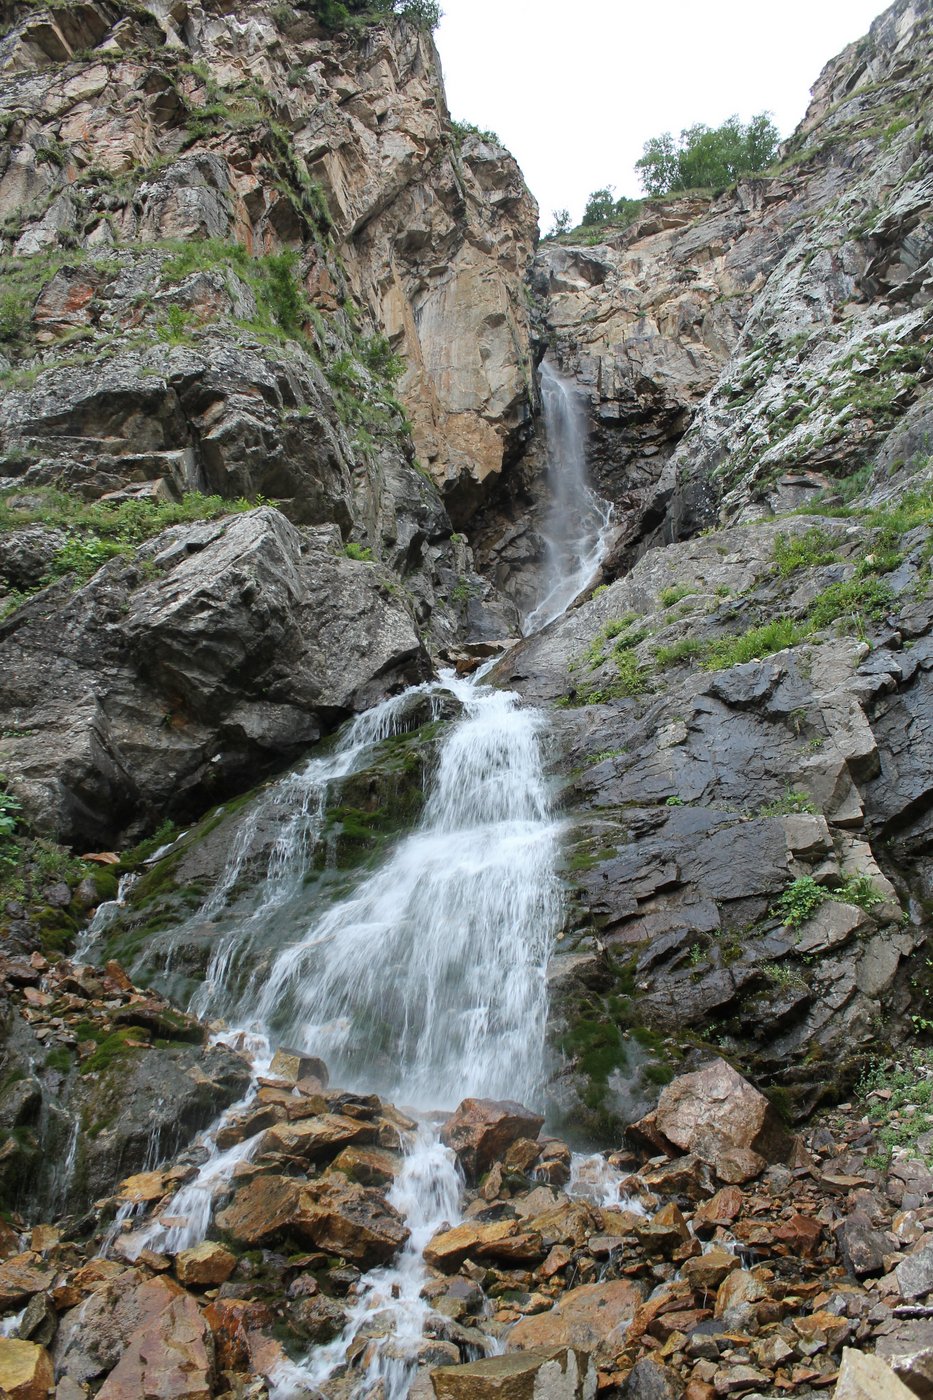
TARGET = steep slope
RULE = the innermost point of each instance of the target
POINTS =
(740, 706)
(250, 258)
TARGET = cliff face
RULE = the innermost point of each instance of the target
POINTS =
(251, 259)
(739, 703)
(742, 353)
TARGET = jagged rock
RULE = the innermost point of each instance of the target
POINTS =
(717, 1114)
(93, 1336)
(245, 629)
(21, 1276)
(25, 1370)
(316, 1139)
(915, 1274)
(205, 1265)
(294, 1065)
(556, 1374)
(482, 1130)
(652, 1380)
(355, 1222)
(866, 1377)
(260, 1210)
(169, 1356)
(592, 1318)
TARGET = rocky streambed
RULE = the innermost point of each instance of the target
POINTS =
(713, 1252)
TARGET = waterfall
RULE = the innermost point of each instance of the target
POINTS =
(576, 528)
(428, 982)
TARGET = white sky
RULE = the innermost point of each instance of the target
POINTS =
(574, 89)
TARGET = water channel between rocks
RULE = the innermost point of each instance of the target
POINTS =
(425, 983)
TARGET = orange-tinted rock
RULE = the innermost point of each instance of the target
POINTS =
(482, 1131)
(738, 1288)
(522, 1154)
(316, 1139)
(801, 1233)
(205, 1265)
(234, 1324)
(371, 1166)
(707, 1271)
(261, 1209)
(21, 1276)
(171, 1357)
(663, 1232)
(720, 1209)
(294, 1065)
(355, 1222)
(25, 1370)
(715, 1112)
(145, 1186)
(592, 1318)
(448, 1249)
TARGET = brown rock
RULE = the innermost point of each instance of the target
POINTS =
(316, 1139)
(448, 1249)
(522, 1155)
(663, 1232)
(234, 1322)
(205, 1265)
(707, 1271)
(169, 1358)
(737, 1288)
(801, 1233)
(482, 1131)
(355, 1222)
(556, 1373)
(25, 1370)
(372, 1166)
(720, 1209)
(295, 1065)
(247, 1125)
(714, 1112)
(261, 1209)
(592, 1318)
(20, 1277)
(145, 1186)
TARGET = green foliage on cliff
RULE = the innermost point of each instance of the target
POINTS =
(707, 157)
(356, 14)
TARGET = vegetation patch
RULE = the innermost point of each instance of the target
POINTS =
(809, 550)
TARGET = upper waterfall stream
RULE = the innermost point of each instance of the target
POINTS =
(426, 980)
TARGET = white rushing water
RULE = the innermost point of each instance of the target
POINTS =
(426, 982)
(577, 525)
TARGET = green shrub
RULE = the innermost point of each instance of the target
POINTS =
(860, 890)
(753, 644)
(856, 601)
(799, 901)
(790, 804)
(813, 548)
(361, 553)
(684, 649)
(669, 596)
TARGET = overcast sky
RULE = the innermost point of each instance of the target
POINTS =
(574, 89)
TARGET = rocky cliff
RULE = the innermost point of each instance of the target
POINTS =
(271, 453)
(250, 258)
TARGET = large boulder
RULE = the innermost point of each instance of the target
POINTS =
(724, 1120)
(170, 1357)
(866, 1377)
(354, 1222)
(25, 1370)
(481, 1131)
(550, 1374)
(593, 1318)
(222, 650)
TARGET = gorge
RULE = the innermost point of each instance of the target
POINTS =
(466, 748)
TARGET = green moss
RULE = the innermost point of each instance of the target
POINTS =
(669, 596)
(853, 604)
(111, 1049)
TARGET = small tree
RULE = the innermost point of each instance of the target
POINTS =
(600, 206)
(561, 222)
